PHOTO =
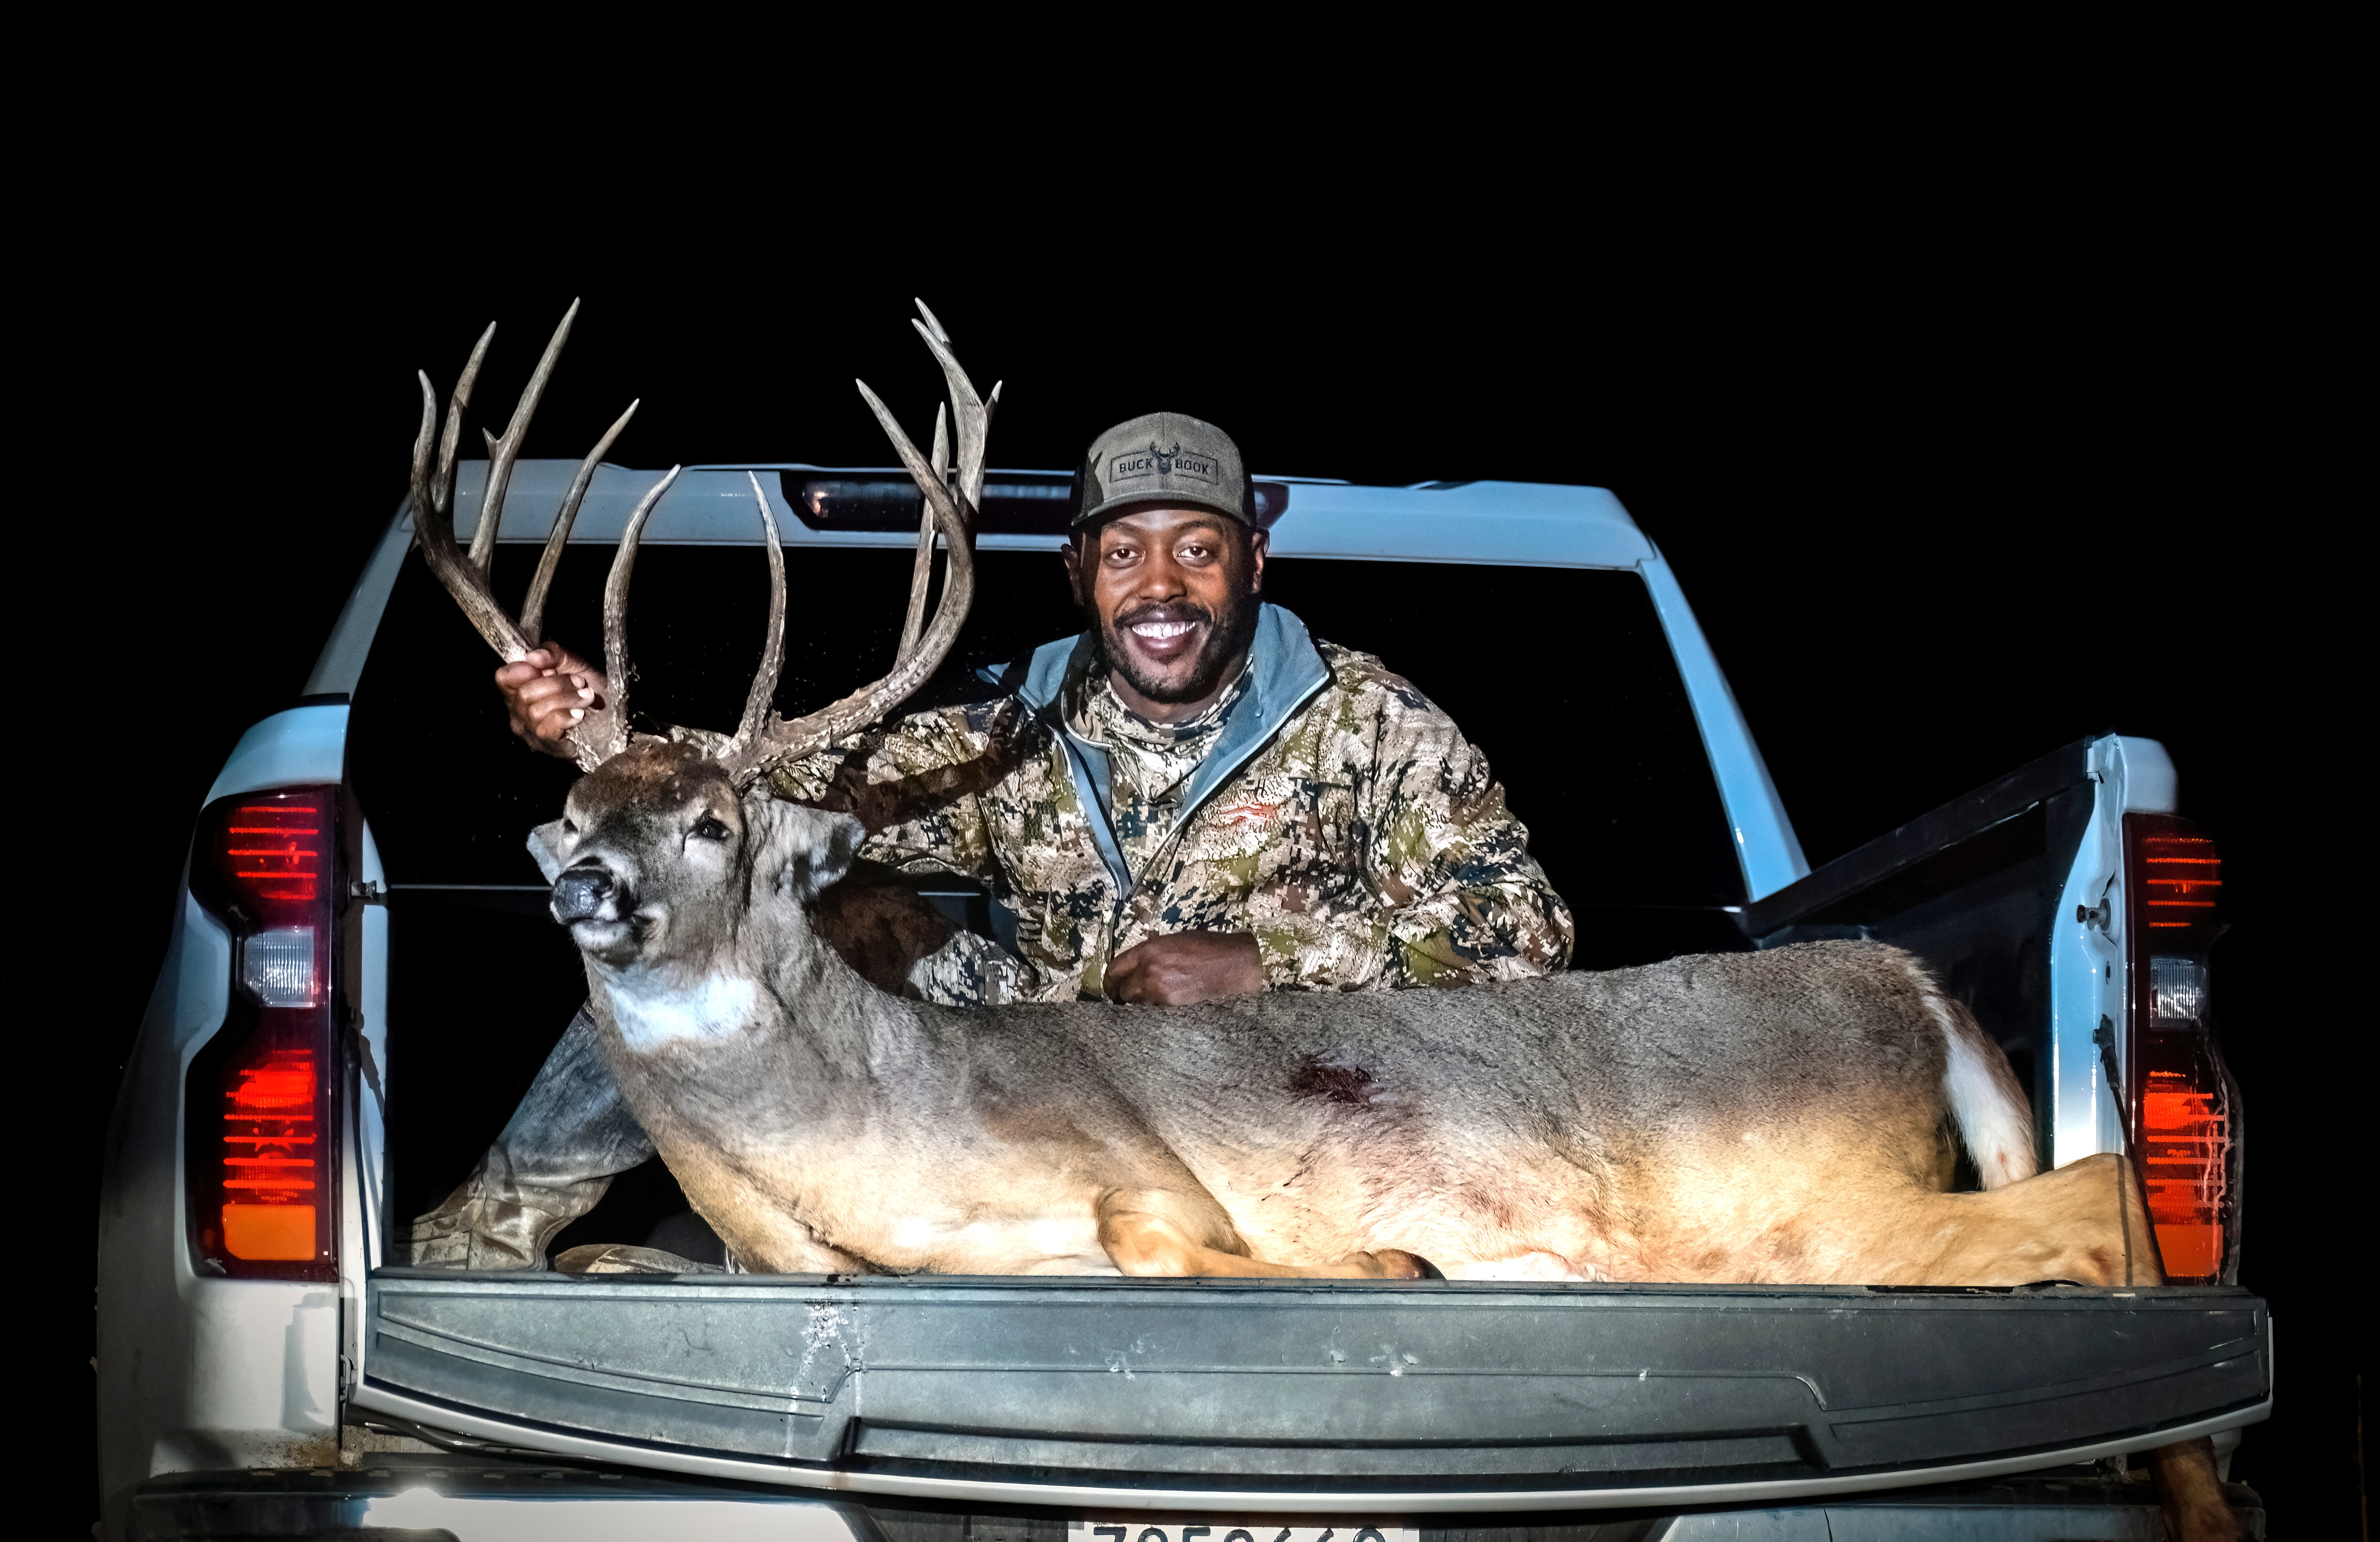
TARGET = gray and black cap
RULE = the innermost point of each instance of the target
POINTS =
(1164, 457)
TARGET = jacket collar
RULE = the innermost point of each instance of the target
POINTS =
(1285, 670)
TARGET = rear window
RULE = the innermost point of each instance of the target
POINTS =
(1562, 677)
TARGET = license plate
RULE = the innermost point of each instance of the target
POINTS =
(1227, 1528)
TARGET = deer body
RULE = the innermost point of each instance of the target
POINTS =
(1736, 1117)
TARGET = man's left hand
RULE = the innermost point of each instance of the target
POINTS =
(1187, 967)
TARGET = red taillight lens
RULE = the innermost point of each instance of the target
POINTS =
(2182, 1103)
(257, 1105)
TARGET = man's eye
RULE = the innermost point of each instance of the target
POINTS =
(709, 828)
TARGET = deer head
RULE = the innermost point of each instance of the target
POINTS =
(666, 843)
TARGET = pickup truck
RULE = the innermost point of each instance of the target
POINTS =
(362, 979)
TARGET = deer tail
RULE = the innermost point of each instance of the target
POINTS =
(1982, 1092)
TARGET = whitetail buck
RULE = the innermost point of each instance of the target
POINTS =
(1777, 1116)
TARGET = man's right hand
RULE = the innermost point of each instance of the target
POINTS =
(548, 692)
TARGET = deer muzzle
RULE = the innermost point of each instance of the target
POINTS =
(586, 891)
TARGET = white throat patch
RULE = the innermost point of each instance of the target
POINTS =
(651, 1014)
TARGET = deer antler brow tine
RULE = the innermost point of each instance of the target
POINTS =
(502, 453)
(772, 651)
(450, 441)
(921, 573)
(532, 617)
(611, 721)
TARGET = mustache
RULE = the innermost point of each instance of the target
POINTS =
(1163, 611)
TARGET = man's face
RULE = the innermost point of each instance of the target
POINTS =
(1173, 592)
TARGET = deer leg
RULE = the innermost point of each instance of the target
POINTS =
(1164, 1231)
(2190, 1493)
(2084, 1222)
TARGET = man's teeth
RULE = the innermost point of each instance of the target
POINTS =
(1158, 630)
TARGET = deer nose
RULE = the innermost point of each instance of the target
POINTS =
(579, 892)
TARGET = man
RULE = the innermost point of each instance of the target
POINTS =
(1191, 800)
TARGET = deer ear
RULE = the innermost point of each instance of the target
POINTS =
(545, 845)
(798, 850)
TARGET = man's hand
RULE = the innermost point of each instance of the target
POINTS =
(547, 694)
(1187, 967)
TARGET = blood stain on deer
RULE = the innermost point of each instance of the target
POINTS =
(1338, 1084)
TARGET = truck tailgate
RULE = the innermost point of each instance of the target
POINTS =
(1438, 1395)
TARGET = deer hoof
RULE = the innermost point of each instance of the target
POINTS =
(1397, 1264)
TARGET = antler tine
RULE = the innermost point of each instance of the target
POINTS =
(786, 738)
(431, 492)
(971, 420)
(450, 441)
(423, 442)
(921, 574)
(532, 616)
(773, 652)
(503, 451)
(604, 732)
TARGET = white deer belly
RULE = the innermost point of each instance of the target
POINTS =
(1002, 1244)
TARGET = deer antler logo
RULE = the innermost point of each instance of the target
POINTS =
(1164, 458)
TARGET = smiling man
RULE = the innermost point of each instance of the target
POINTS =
(1193, 799)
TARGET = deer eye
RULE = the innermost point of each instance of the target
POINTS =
(570, 826)
(709, 828)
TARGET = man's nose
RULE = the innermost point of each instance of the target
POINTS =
(1159, 577)
(579, 892)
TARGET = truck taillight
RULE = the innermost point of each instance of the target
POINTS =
(261, 1140)
(2181, 1101)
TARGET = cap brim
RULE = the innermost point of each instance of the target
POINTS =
(1169, 500)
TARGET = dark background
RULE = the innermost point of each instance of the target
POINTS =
(1961, 452)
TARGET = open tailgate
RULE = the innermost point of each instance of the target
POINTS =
(1430, 1396)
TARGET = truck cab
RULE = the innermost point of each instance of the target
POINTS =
(362, 979)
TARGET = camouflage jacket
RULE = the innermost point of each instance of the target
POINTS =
(1335, 814)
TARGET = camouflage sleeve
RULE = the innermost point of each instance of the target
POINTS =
(1463, 898)
(916, 784)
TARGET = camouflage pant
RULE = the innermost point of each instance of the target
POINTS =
(570, 1137)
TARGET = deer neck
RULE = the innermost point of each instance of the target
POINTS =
(775, 978)
(665, 1006)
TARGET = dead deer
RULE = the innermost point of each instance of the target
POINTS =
(1780, 1116)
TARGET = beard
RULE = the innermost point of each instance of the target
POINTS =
(1228, 636)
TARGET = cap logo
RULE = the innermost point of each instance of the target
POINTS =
(1134, 465)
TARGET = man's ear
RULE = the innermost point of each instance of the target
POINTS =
(545, 845)
(1073, 554)
(798, 850)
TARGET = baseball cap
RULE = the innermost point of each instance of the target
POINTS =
(1163, 457)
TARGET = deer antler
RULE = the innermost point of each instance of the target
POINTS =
(603, 732)
(764, 740)
(971, 481)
